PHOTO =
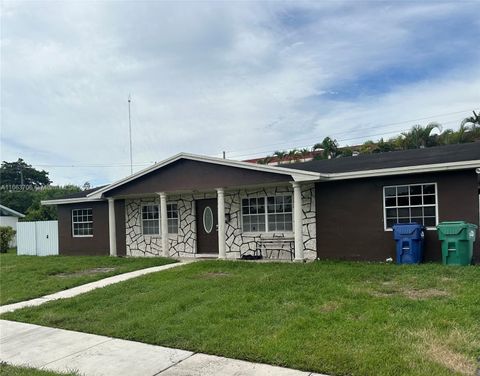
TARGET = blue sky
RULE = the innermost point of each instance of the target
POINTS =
(245, 77)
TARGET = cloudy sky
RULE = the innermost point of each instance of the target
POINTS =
(246, 77)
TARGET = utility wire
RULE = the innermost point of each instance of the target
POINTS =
(363, 129)
(121, 165)
(341, 140)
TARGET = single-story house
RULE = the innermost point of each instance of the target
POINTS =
(193, 206)
(9, 218)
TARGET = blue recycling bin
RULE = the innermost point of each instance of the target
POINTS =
(410, 238)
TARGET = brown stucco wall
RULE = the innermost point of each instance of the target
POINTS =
(99, 243)
(193, 175)
(350, 214)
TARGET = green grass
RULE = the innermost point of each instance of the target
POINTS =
(8, 370)
(27, 277)
(331, 317)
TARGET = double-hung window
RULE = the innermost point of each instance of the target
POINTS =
(82, 222)
(172, 215)
(275, 216)
(410, 203)
(279, 213)
(253, 214)
(151, 219)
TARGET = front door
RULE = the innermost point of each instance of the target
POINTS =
(207, 220)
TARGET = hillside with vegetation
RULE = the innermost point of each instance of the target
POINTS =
(417, 137)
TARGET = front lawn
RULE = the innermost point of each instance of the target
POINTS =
(8, 370)
(329, 317)
(27, 277)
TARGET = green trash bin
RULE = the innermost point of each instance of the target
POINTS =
(457, 242)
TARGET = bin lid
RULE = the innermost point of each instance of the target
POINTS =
(406, 228)
(454, 227)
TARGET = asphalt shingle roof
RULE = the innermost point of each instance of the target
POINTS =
(404, 158)
(83, 193)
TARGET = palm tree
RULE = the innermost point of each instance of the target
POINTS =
(448, 136)
(475, 120)
(420, 137)
(330, 148)
(293, 154)
(280, 155)
(304, 153)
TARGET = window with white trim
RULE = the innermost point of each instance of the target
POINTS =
(172, 215)
(82, 222)
(410, 203)
(276, 216)
(253, 214)
(279, 213)
(151, 219)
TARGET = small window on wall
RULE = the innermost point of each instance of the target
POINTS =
(150, 220)
(410, 203)
(82, 222)
(172, 215)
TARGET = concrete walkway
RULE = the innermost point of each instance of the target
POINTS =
(88, 354)
(88, 287)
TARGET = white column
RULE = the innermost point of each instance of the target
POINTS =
(221, 223)
(112, 233)
(164, 224)
(297, 221)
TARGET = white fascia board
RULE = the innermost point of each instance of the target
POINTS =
(69, 201)
(451, 166)
(14, 213)
(297, 175)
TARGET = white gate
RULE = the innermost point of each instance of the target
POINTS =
(37, 238)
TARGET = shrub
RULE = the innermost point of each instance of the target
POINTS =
(6, 236)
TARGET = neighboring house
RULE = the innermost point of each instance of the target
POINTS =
(9, 217)
(340, 208)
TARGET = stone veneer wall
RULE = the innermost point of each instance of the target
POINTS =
(238, 243)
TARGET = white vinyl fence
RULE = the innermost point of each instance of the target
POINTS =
(37, 238)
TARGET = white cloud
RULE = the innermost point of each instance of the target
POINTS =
(207, 77)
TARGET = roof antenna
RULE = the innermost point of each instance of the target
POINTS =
(130, 133)
(224, 156)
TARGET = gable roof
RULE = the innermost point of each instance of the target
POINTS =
(297, 175)
(83, 193)
(440, 158)
(13, 213)
(437, 158)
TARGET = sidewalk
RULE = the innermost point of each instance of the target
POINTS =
(88, 354)
(87, 287)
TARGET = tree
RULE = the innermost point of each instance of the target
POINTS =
(384, 146)
(421, 137)
(330, 147)
(304, 153)
(293, 155)
(86, 186)
(368, 147)
(38, 212)
(474, 120)
(6, 236)
(25, 199)
(346, 152)
(21, 173)
(280, 155)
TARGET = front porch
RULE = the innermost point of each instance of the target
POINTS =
(276, 221)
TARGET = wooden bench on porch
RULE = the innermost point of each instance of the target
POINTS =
(280, 247)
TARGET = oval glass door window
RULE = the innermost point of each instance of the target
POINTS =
(208, 219)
